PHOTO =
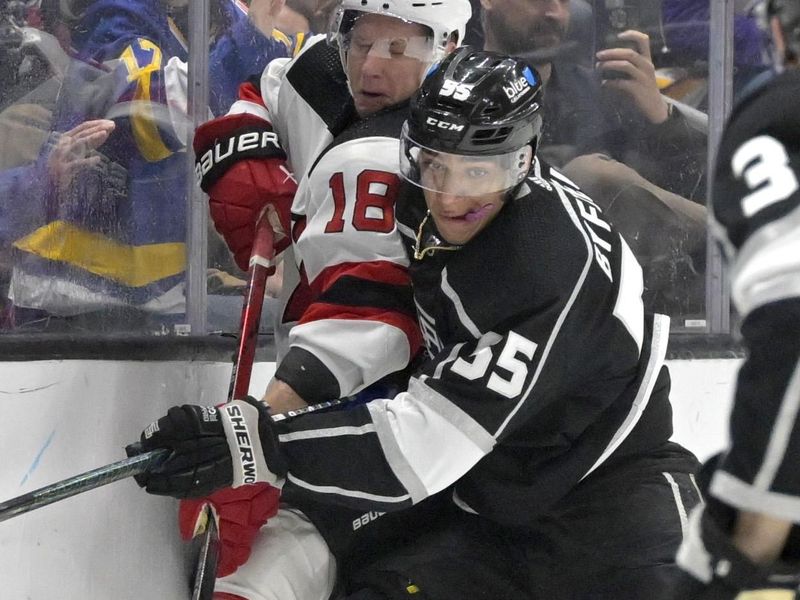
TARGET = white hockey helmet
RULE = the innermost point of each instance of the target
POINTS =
(443, 17)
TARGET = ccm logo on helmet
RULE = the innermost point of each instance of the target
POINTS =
(517, 88)
(251, 140)
(443, 124)
(244, 443)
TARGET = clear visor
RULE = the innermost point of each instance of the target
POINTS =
(461, 174)
(358, 47)
(356, 42)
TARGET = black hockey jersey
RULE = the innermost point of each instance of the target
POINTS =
(541, 367)
(756, 210)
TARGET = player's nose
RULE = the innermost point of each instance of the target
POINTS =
(373, 64)
(450, 200)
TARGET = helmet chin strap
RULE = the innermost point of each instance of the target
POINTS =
(433, 242)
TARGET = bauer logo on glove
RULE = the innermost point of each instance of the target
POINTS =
(243, 169)
(262, 144)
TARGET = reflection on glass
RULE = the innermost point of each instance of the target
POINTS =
(93, 159)
(93, 130)
(619, 121)
(93, 189)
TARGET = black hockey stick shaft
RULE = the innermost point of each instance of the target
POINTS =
(309, 409)
(115, 471)
(81, 483)
(260, 264)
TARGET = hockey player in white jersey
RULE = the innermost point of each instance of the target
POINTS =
(347, 319)
(745, 542)
(542, 408)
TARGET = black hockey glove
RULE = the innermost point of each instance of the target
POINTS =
(714, 569)
(212, 447)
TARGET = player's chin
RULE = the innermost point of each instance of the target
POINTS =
(458, 230)
(367, 104)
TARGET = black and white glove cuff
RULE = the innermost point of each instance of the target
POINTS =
(242, 421)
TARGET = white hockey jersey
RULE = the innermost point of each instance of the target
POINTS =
(347, 313)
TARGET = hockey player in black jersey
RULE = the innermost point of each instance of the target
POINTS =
(745, 542)
(345, 270)
(542, 409)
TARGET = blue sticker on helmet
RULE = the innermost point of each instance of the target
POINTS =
(528, 73)
(433, 68)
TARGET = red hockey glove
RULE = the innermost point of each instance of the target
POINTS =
(242, 167)
(240, 513)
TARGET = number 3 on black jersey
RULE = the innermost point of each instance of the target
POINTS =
(764, 165)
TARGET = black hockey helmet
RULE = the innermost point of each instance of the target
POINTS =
(788, 13)
(475, 104)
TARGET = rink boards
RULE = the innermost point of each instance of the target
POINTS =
(62, 417)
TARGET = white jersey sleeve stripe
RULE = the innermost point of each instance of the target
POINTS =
(463, 505)
(629, 308)
(692, 556)
(393, 453)
(329, 432)
(332, 489)
(679, 505)
(562, 317)
(781, 433)
(766, 268)
(468, 323)
(428, 441)
(743, 496)
(658, 351)
(555, 173)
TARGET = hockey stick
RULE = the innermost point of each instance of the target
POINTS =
(260, 263)
(115, 471)
(81, 483)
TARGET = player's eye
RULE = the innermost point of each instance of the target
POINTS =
(433, 165)
(397, 47)
(360, 46)
(477, 172)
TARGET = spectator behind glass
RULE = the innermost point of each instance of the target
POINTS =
(24, 188)
(304, 15)
(619, 140)
(107, 251)
(686, 23)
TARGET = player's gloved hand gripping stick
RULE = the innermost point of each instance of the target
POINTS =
(241, 512)
(122, 469)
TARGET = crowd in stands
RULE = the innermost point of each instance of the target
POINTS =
(93, 125)
(93, 205)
